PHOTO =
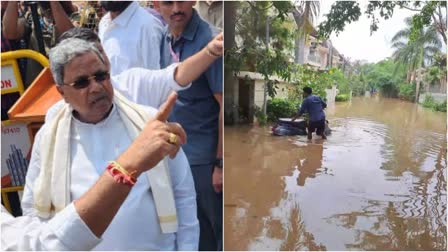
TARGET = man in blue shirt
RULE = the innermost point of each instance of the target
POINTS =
(199, 111)
(314, 106)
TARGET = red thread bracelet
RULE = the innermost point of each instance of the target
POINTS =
(119, 175)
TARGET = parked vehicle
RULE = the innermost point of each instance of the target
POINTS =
(285, 127)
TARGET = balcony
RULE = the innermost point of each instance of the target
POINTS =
(314, 59)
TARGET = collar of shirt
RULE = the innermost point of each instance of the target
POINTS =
(125, 16)
(310, 97)
(103, 123)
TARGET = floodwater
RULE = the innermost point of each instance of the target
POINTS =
(377, 183)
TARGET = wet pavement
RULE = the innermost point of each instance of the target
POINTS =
(377, 183)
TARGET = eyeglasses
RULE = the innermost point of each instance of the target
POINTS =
(84, 82)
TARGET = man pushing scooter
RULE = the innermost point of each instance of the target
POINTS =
(314, 106)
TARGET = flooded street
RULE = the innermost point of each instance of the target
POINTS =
(377, 183)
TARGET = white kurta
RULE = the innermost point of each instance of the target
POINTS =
(132, 39)
(147, 87)
(30, 233)
(135, 226)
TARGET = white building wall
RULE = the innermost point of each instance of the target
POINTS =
(438, 97)
(282, 91)
(331, 94)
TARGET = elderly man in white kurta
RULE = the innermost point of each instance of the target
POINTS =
(78, 140)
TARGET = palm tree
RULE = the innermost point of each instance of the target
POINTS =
(304, 13)
(418, 53)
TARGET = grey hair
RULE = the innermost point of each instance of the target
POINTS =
(66, 51)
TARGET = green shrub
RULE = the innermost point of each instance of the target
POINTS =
(440, 106)
(261, 117)
(278, 108)
(407, 91)
(342, 97)
(429, 102)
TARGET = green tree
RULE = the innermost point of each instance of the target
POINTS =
(357, 80)
(426, 13)
(251, 52)
(304, 13)
(381, 76)
(434, 75)
(304, 75)
(341, 13)
(246, 46)
(416, 53)
(438, 70)
(340, 80)
(269, 54)
(359, 85)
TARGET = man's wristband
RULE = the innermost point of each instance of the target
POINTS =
(120, 174)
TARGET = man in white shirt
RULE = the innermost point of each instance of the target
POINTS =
(131, 37)
(88, 217)
(94, 127)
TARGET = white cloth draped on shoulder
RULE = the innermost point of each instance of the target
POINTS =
(52, 187)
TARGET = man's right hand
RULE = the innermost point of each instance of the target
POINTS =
(153, 143)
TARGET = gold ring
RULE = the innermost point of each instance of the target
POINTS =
(172, 139)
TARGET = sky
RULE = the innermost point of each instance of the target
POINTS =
(355, 41)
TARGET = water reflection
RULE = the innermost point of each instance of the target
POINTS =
(378, 183)
(309, 167)
(417, 223)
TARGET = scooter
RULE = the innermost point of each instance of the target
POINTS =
(285, 127)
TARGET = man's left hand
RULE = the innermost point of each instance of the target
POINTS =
(217, 179)
(216, 46)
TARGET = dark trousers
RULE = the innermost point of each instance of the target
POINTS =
(319, 126)
(209, 204)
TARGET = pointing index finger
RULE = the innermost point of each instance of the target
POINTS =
(165, 110)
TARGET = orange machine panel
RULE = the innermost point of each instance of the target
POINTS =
(37, 99)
